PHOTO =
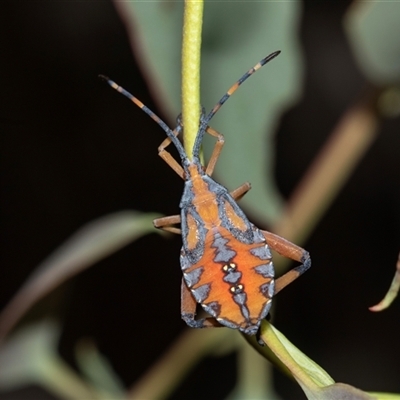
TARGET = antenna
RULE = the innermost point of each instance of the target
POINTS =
(225, 97)
(150, 113)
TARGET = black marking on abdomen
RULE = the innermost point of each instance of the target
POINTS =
(228, 323)
(240, 299)
(232, 277)
(268, 289)
(185, 263)
(258, 237)
(266, 309)
(193, 277)
(223, 253)
(213, 308)
(265, 270)
(201, 293)
(262, 252)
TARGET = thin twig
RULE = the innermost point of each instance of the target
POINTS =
(331, 169)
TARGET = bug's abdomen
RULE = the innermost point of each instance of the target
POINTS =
(233, 281)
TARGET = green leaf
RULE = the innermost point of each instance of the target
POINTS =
(386, 396)
(373, 31)
(314, 380)
(177, 362)
(303, 369)
(392, 292)
(341, 391)
(30, 357)
(254, 375)
(235, 37)
(97, 369)
(93, 242)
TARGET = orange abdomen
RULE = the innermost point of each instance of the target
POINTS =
(225, 260)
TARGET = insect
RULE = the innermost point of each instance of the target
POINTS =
(226, 261)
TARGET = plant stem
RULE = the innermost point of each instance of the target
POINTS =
(179, 359)
(191, 43)
(331, 169)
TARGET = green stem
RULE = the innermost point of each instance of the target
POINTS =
(191, 43)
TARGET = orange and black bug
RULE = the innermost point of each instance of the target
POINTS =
(226, 260)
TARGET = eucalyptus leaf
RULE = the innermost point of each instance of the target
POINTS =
(373, 31)
(303, 369)
(97, 369)
(341, 391)
(167, 373)
(314, 380)
(30, 358)
(255, 378)
(386, 396)
(236, 35)
(391, 293)
(93, 242)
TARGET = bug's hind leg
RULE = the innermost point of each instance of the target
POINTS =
(167, 157)
(188, 311)
(289, 250)
(167, 223)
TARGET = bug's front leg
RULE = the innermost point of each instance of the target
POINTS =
(188, 311)
(216, 151)
(167, 223)
(289, 250)
(167, 157)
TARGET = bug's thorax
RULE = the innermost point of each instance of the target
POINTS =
(198, 194)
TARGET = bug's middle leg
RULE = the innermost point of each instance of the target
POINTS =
(239, 192)
(167, 223)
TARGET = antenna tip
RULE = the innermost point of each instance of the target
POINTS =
(273, 55)
(270, 57)
(104, 78)
(110, 82)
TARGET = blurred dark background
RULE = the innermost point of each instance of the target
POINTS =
(72, 150)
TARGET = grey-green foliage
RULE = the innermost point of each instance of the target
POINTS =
(373, 30)
(236, 35)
